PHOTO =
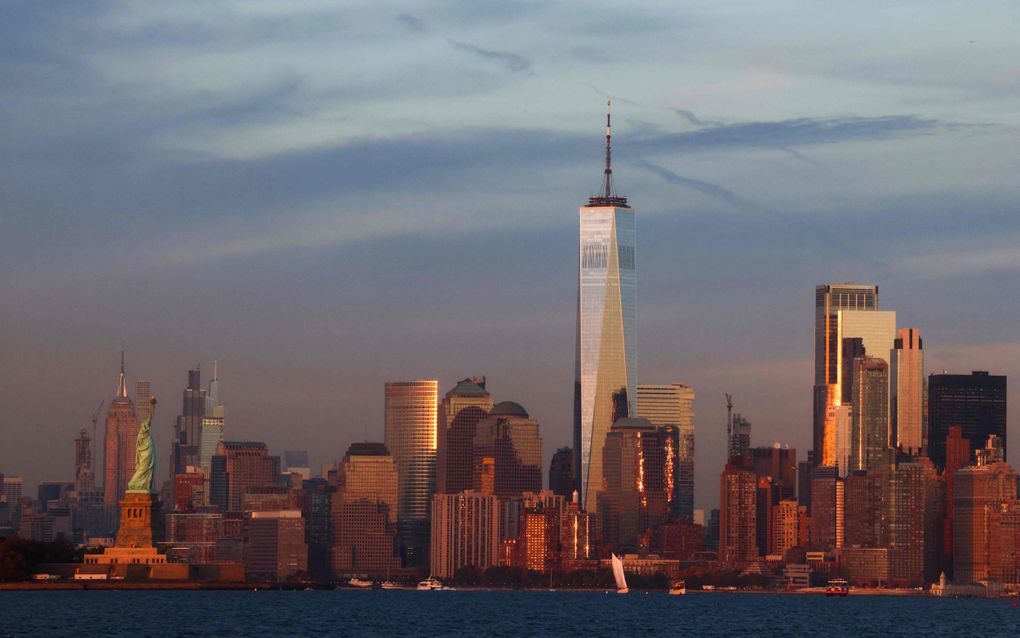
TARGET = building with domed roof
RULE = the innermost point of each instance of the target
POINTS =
(459, 413)
(508, 441)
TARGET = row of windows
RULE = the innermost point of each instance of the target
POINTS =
(597, 256)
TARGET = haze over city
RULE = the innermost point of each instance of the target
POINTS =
(327, 199)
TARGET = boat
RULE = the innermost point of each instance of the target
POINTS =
(621, 580)
(679, 588)
(389, 584)
(359, 583)
(430, 584)
(837, 587)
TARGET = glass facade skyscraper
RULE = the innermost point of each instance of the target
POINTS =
(673, 404)
(605, 385)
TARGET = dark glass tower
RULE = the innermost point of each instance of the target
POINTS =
(975, 402)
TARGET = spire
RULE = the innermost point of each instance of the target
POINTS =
(122, 382)
(607, 197)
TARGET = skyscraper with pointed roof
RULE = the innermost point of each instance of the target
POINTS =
(605, 385)
(119, 441)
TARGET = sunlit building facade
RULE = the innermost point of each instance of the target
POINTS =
(605, 384)
(909, 389)
(673, 404)
(465, 531)
(738, 512)
(411, 438)
(869, 443)
(119, 443)
(980, 494)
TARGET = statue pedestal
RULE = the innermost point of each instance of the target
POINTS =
(138, 520)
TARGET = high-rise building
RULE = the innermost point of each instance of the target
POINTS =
(909, 389)
(188, 434)
(236, 467)
(785, 526)
(365, 512)
(778, 464)
(561, 472)
(863, 509)
(276, 546)
(510, 438)
(740, 436)
(296, 462)
(605, 383)
(465, 531)
(639, 480)
(578, 533)
(212, 434)
(143, 392)
(827, 509)
(738, 512)
(975, 402)
(979, 495)
(829, 300)
(411, 438)
(957, 456)
(538, 541)
(673, 404)
(869, 434)
(913, 517)
(459, 413)
(120, 441)
(84, 478)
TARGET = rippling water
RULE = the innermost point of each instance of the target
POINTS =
(492, 613)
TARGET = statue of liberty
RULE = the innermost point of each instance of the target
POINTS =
(145, 456)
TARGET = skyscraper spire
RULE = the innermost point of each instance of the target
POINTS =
(121, 382)
(607, 196)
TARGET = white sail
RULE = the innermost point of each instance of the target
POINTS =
(621, 580)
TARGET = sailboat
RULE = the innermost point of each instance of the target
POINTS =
(621, 580)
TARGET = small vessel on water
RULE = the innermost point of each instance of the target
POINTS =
(678, 588)
(621, 580)
(837, 587)
(430, 584)
(389, 584)
(359, 583)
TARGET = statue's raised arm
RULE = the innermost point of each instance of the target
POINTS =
(145, 456)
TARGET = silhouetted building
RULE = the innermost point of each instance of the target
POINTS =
(459, 413)
(510, 437)
(561, 472)
(236, 467)
(975, 402)
(276, 546)
(827, 492)
(738, 512)
(779, 465)
(740, 436)
(187, 444)
(410, 435)
(673, 404)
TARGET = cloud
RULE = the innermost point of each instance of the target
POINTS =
(511, 61)
(412, 23)
(705, 188)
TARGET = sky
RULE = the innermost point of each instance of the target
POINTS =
(327, 196)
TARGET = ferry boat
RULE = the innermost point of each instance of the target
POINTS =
(359, 583)
(679, 588)
(430, 584)
(837, 587)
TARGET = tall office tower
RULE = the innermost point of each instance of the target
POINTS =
(537, 546)
(237, 467)
(827, 508)
(212, 434)
(465, 531)
(673, 404)
(957, 456)
(829, 300)
(578, 533)
(143, 392)
(639, 487)
(84, 479)
(766, 501)
(511, 439)
(738, 512)
(187, 444)
(213, 405)
(979, 493)
(907, 382)
(605, 383)
(276, 546)
(740, 436)
(975, 402)
(561, 472)
(869, 440)
(913, 516)
(365, 512)
(863, 509)
(459, 413)
(410, 436)
(779, 465)
(120, 441)
(786, 527)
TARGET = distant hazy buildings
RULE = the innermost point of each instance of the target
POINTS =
(236, 467)
(459, 413)
(975, 402)
(411, 438)
(276, 546)
(119, 444)
(606, 371)
(561, 472)
(673, 405)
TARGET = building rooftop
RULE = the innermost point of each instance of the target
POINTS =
(631, 422)
(508, 408)
(366, 448)
(470, 388)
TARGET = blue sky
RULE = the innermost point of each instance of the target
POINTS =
(327, 196)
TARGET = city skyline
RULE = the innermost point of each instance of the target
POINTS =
(321, 243)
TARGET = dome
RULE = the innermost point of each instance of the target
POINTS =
(508, 408)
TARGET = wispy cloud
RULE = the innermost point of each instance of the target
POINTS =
(512, 62)
(412, 23)
(705, 188)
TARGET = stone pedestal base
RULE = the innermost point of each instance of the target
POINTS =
(138, 520)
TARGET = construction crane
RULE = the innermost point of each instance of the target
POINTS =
(729, 426)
